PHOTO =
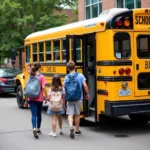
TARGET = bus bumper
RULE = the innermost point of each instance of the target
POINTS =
(120, 108)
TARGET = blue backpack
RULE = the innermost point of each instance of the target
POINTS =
(33, 87)
(72, 88)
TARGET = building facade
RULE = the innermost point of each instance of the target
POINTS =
(92, 8)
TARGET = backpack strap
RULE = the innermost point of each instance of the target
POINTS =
(76, 74)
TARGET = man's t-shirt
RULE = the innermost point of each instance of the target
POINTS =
(80, 78)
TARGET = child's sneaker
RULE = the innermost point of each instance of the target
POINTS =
(39, 131)
(72, 132)
(60, 132)
(51, 133)
(78, 133)
(35, 134)
(54, 135)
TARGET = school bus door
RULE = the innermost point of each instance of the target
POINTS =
(86, 44)
(75, 52)
(142, 63)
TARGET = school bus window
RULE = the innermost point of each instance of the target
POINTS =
(64, 50)
(78, 49)
(48, 51)
(57, 50)
(122, 45)
(143, 46)
(41, 51)
(27, 54)
(34, 52)
(144, 81)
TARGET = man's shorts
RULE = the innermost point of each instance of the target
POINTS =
(74, 108)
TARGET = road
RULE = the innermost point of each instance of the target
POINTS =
(15, 132)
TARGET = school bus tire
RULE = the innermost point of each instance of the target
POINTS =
(19, 97)
(140, 118)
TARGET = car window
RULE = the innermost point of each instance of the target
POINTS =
(9, 72)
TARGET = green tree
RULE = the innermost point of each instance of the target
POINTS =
(19, 18)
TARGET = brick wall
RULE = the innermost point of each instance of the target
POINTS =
(107, 4)
(81, 10)
(145, 3)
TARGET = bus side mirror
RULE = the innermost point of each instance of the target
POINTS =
(13, 57)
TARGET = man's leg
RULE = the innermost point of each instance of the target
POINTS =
(77, 122)
(78, 106)
(70, 113)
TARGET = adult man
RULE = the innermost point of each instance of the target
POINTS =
(74, 107)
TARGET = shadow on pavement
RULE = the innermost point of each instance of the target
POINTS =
(6, 95)
(120, 127)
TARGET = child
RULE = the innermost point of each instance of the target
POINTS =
(56, 87)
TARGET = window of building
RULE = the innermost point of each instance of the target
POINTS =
(35, 52)
(41, 51)
(56, 50)
(48, 51)
(130, 4)
(93, 8)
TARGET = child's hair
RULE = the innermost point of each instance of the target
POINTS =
(56, 83)
(35, 67)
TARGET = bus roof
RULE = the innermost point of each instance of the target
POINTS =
(103, 17)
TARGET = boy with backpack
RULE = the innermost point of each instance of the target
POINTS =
(74, 96)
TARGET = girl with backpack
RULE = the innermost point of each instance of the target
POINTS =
(35, 82)
(56, 97)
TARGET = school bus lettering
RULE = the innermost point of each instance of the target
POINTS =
(142, 20)
(147, 64)
(50, 69)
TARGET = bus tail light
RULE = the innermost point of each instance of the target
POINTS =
(119, 22)
(121, 71)
(127, 22)
(127, 71)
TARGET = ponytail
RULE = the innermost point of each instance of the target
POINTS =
(35, 68)
(33, 71)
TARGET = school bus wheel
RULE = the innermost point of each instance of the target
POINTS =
(139, 118)
(19, 97)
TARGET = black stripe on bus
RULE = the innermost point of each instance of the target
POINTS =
(53, 64)
(52, 74)
(114, 79)
(48, 85)
(102, 92)
(114, 63)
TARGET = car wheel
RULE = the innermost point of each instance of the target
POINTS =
(19, 97)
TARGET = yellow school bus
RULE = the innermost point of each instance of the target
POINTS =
(112, 51)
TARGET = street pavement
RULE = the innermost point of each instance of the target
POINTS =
(16, 134)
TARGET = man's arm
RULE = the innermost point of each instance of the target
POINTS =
(86, 88)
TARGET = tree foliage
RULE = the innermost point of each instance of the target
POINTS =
(19, 18)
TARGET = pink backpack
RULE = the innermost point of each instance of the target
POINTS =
(55, 103)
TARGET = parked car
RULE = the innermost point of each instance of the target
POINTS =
(7, 78)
